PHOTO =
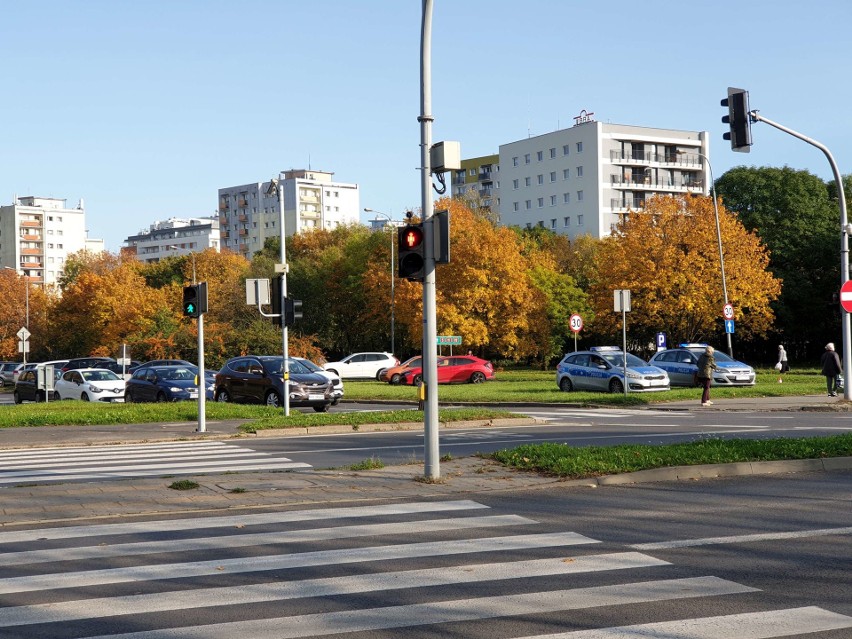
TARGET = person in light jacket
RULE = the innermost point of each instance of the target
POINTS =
(782, 366)
(831, 368)
(706, 366)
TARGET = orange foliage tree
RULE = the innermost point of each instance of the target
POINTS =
(667, 255)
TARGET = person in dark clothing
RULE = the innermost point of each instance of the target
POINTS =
(831, 368)
(706, 366)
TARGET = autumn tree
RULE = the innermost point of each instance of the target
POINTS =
(23, 308)
(667, 256)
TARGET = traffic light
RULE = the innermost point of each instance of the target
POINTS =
(411, 263)
(739, 120)
(275, 299)
(195, 299)
(292, 311)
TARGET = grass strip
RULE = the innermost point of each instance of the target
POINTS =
(562, 460)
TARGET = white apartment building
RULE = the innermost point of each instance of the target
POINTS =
(175, 236)
(581, 180)
(250, 213)
(37, 234)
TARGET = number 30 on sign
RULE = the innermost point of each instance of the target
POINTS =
(576, 323)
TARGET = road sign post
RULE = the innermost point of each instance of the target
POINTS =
(621, 302)
(576, 324)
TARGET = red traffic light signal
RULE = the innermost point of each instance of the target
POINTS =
(412, 252)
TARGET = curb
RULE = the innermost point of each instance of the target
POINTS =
(375, 428)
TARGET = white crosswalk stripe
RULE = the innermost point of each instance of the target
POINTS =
(605, 413)
(319, 573)
(143, 460)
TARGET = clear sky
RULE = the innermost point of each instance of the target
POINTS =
(146, 108)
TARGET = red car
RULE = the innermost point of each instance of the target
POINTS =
(456, 369)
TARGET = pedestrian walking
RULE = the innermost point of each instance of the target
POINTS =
(782, 366)
(706, 366)
(831, 368)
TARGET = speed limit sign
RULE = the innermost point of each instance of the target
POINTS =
(728, 312)
(576, 323)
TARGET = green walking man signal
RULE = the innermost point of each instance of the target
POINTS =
(195, 299)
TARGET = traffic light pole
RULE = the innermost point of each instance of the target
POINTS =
(284, 333)
(844, 246)
(202, 381)
(430, 333)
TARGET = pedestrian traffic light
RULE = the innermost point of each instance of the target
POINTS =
(275, 299)
(412, 252)
(195, 299)
(292, 311)
(739, 120)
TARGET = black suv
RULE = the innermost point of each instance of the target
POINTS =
(259, 379)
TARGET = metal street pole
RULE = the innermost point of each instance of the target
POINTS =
(432, 468)
(844, 245)
(392, 278)
(719, 240)
(284, 332)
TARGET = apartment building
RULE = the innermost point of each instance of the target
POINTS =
(583, 179)
(37, 234)
(479, 178)
(250, 213)
(174, 236)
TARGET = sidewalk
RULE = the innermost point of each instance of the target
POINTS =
(42, 504)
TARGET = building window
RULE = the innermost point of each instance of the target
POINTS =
(566, 173)
(540, 178)
(472, 172)
(579, 197)
(566, 149)
(566, 198)
(552, 200)
(526, 158)
(579, 220)
(553, 223)
(541, 202)
(527, 181)
(528, 204)
(566, 221)
(514, 206)
(553, 176)
(515, 161)
(539, 156)
(552, 153)
(579, 171)
(515, 184)
(579, 147)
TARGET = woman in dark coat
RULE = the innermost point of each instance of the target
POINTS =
(831, 368)
(706, 366)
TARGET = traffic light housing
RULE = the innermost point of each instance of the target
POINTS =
(195, 299)
(739, 120)
(292, 311)
(275, 300)
(411, 263)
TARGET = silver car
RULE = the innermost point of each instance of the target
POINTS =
(681, 364)
(601, 368)
(337, 382)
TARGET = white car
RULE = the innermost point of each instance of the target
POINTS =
(90, 385)
(363, 365)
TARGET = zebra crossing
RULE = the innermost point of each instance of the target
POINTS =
(92, 463)
(433, 566)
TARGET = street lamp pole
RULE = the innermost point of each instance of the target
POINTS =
(393, 300)
(277, 187)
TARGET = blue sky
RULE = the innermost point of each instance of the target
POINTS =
(146, 108)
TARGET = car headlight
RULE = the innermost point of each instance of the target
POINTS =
(95, 389)
(633, 375)
(175, 389)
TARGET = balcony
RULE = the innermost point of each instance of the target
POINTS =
(243, 217)
(243, 232)
(224, 206)
(242, 203)
(484, 176)
(31, 237)
(33, 224)
(634, 204)
(650, 184)
(31, 251)
(683, 158)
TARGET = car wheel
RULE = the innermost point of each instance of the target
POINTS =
(478, 377)
(128, 397)
(17, 397)
(323, 408)
(161, 396)
(222, 395)
(394, 379)
(335, 402)
(417, 381)
(84, 397)
(565, 385)
(273, 399)
(56, 397)
(379, 374)
(40, 396)
(615, 386)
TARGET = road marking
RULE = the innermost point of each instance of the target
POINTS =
(285, 562)
(259, 539)
(749, 625)
(280, 591)
(743, 539)
(200, 523)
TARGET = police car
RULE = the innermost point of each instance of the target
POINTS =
(601, 368)
(681, 364)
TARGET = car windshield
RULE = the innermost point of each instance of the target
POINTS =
(719, 356)
(177, 373)
(617, 359)
(100, 376)
(273, 366)
(307, 364)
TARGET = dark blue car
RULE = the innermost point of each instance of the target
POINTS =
(164, 384)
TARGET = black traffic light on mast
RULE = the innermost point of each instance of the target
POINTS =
(411, 262)
(738, 119)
